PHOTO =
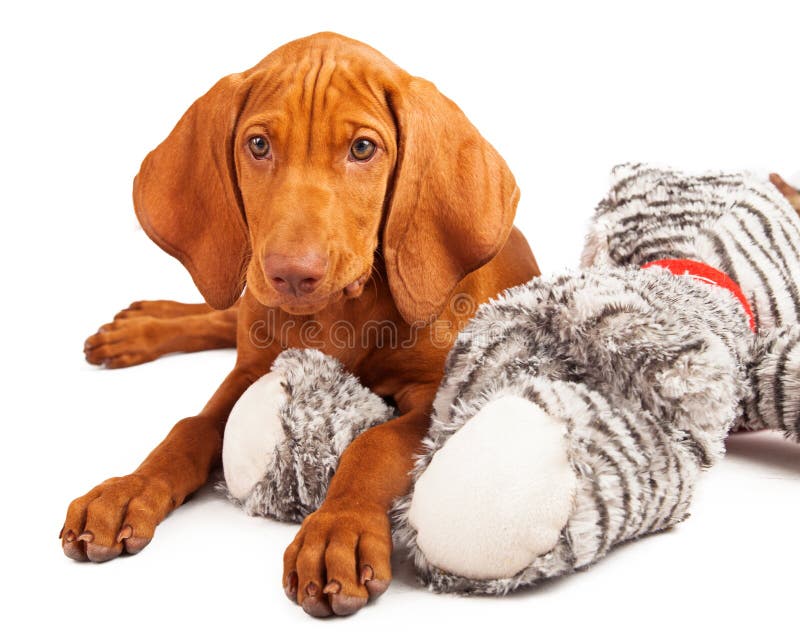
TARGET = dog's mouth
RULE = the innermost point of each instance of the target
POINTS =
(308, 305)
(356, 287)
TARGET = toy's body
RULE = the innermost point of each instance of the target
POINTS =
(577, 411)
(735, 223)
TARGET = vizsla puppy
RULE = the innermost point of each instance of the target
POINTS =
(340, 189)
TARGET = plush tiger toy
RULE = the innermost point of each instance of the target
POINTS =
(576, 411)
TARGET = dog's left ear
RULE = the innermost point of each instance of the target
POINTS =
(452, 204)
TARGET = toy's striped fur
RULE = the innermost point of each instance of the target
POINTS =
(736, 223)
(733, 222)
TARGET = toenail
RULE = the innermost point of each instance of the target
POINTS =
(125, 532)
(366, 574)
(334, 586)
(291, 585)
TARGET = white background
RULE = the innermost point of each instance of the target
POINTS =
(564, 92)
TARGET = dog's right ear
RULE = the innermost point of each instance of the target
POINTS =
(187, 199)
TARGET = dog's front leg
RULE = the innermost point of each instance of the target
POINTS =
(122, 513)
(341, 557)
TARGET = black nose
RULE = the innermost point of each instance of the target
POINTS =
(297, 275)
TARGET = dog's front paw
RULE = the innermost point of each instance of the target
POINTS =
(129, 341)
(339, 560)
(119, 514)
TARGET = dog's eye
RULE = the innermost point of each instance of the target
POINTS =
(259, 146)
(362, 149)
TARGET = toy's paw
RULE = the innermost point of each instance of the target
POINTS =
(497, 495)
(118, 515)
(339, 560)
(252, 433)
(126, 342)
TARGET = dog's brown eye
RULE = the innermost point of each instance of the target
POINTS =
(362, 149)
(259, 146)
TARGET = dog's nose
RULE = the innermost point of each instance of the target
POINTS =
(297, 275)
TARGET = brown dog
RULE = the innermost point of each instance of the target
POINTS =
(340, 189)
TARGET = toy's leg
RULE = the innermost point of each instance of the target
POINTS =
(775, 378)
(286, 433)
(540, 483)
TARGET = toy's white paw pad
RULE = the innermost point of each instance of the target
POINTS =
(253, 431)
(497, 495)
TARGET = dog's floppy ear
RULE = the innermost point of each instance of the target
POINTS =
(187, 199)
(452, 204)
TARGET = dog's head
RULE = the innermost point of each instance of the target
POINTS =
(288, 177)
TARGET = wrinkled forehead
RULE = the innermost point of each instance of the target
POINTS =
(324, 76)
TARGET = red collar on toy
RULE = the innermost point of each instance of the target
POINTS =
(701, 271)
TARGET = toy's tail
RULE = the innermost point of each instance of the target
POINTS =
(775, 378)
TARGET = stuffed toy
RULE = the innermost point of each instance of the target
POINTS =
(576, 411)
